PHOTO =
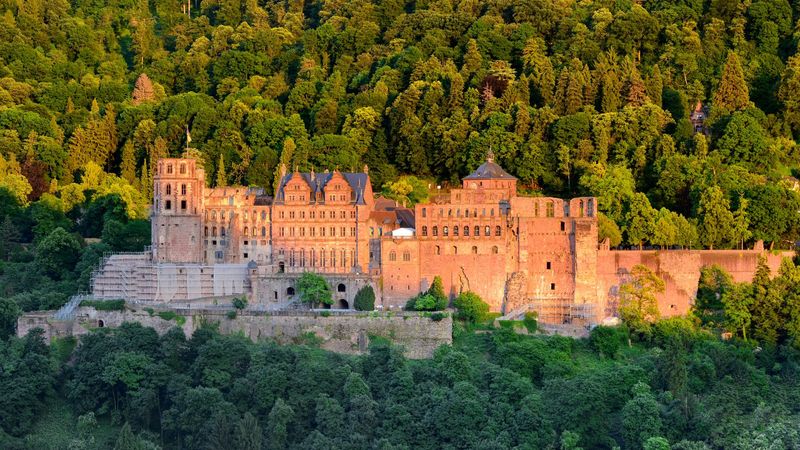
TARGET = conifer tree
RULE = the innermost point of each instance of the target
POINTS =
(146, 180)
(574, 96)
(222, 177)
(732, 93)
(640, 220)
(472, 59)
(716, 219)
(655, 86)
(560, 98)
(143, 90)
(127, 166)
(611, 88)
(635, 89)
(287, 156)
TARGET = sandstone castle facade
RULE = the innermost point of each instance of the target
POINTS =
(518, 253)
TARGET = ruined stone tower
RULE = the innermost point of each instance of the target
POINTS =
(177, 211)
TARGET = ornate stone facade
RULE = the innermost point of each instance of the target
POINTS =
(518, 253)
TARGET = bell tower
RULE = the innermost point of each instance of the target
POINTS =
(177, 213)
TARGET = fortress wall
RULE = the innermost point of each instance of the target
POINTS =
(680, 270)
(343, 333)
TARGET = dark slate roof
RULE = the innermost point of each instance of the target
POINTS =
(489, 171)
(357, 181)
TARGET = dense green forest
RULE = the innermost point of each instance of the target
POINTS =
(676, 387)
(573, 98)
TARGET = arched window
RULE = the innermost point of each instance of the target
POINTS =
(455, 230)
(214, 215)
(169, 189)
(290, 291)
(214, 231)
(435, 230)
(263, 215)
(246, 231)
(437, 250)
(341, 288)
(494, 250)
(406, 256)
(455, 250)
(487, 231)
(183, 169)
(424, 212)
(445, 231)
(497, 231)
(424, 230)
(466, 230)
(255, 232)
(474, 250)
(477, 230)
(222, 231)
(392, 256)
(205, 232)
(263, 231)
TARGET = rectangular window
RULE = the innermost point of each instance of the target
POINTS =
(183, 204)
(552, 286)
(168, 204)
(563, 226)
(183, 189)
(548, 265)
(245, 255)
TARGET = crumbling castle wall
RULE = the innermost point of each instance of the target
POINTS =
(347, 332)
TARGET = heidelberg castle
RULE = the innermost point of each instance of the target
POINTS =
(518, 253)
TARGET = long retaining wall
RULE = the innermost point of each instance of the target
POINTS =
(343, 332)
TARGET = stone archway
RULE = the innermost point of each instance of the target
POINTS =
(100, 324)
(342, 304)
(281, 267)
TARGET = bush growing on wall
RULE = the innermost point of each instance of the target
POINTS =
(365, 299)
(314, 290)
(239, 303)
(471, 307)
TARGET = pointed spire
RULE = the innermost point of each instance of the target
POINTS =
(490, 156)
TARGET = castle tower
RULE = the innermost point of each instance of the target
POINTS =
(177, 211)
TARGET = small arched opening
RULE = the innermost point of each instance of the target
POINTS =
(341, 288)
(100, 324)
(281, 267)
(342, 304)
(290, 291)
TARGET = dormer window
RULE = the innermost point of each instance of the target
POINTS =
(183, 169)
(169, 168)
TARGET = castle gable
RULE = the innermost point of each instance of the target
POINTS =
(345, 187)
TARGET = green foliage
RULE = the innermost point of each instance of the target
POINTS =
(313, 289)
(471, 307)
(637, 299)
(239, 303)
(105, 305)
(365, 299)
(9, 311)
(425, 302)
(231, 314)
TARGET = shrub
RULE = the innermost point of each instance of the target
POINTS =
(239, 303)
(325, 314)
(437, 292)
(531, 322)
(471, 307)
(607, 341)
(231, 314)
(105, 305)
(365, 299)
(425, 302)
(438, 316)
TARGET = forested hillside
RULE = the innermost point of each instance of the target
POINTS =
(680, 389)
(574, 98)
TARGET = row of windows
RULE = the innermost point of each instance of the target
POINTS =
(246, 231)
(245, 215)
(437, 250)
(312, 231)
(467, 212)
(487, 230)
(168, 189)
(312, 215)
(318, 258)
(181, 169)
(331, 198)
